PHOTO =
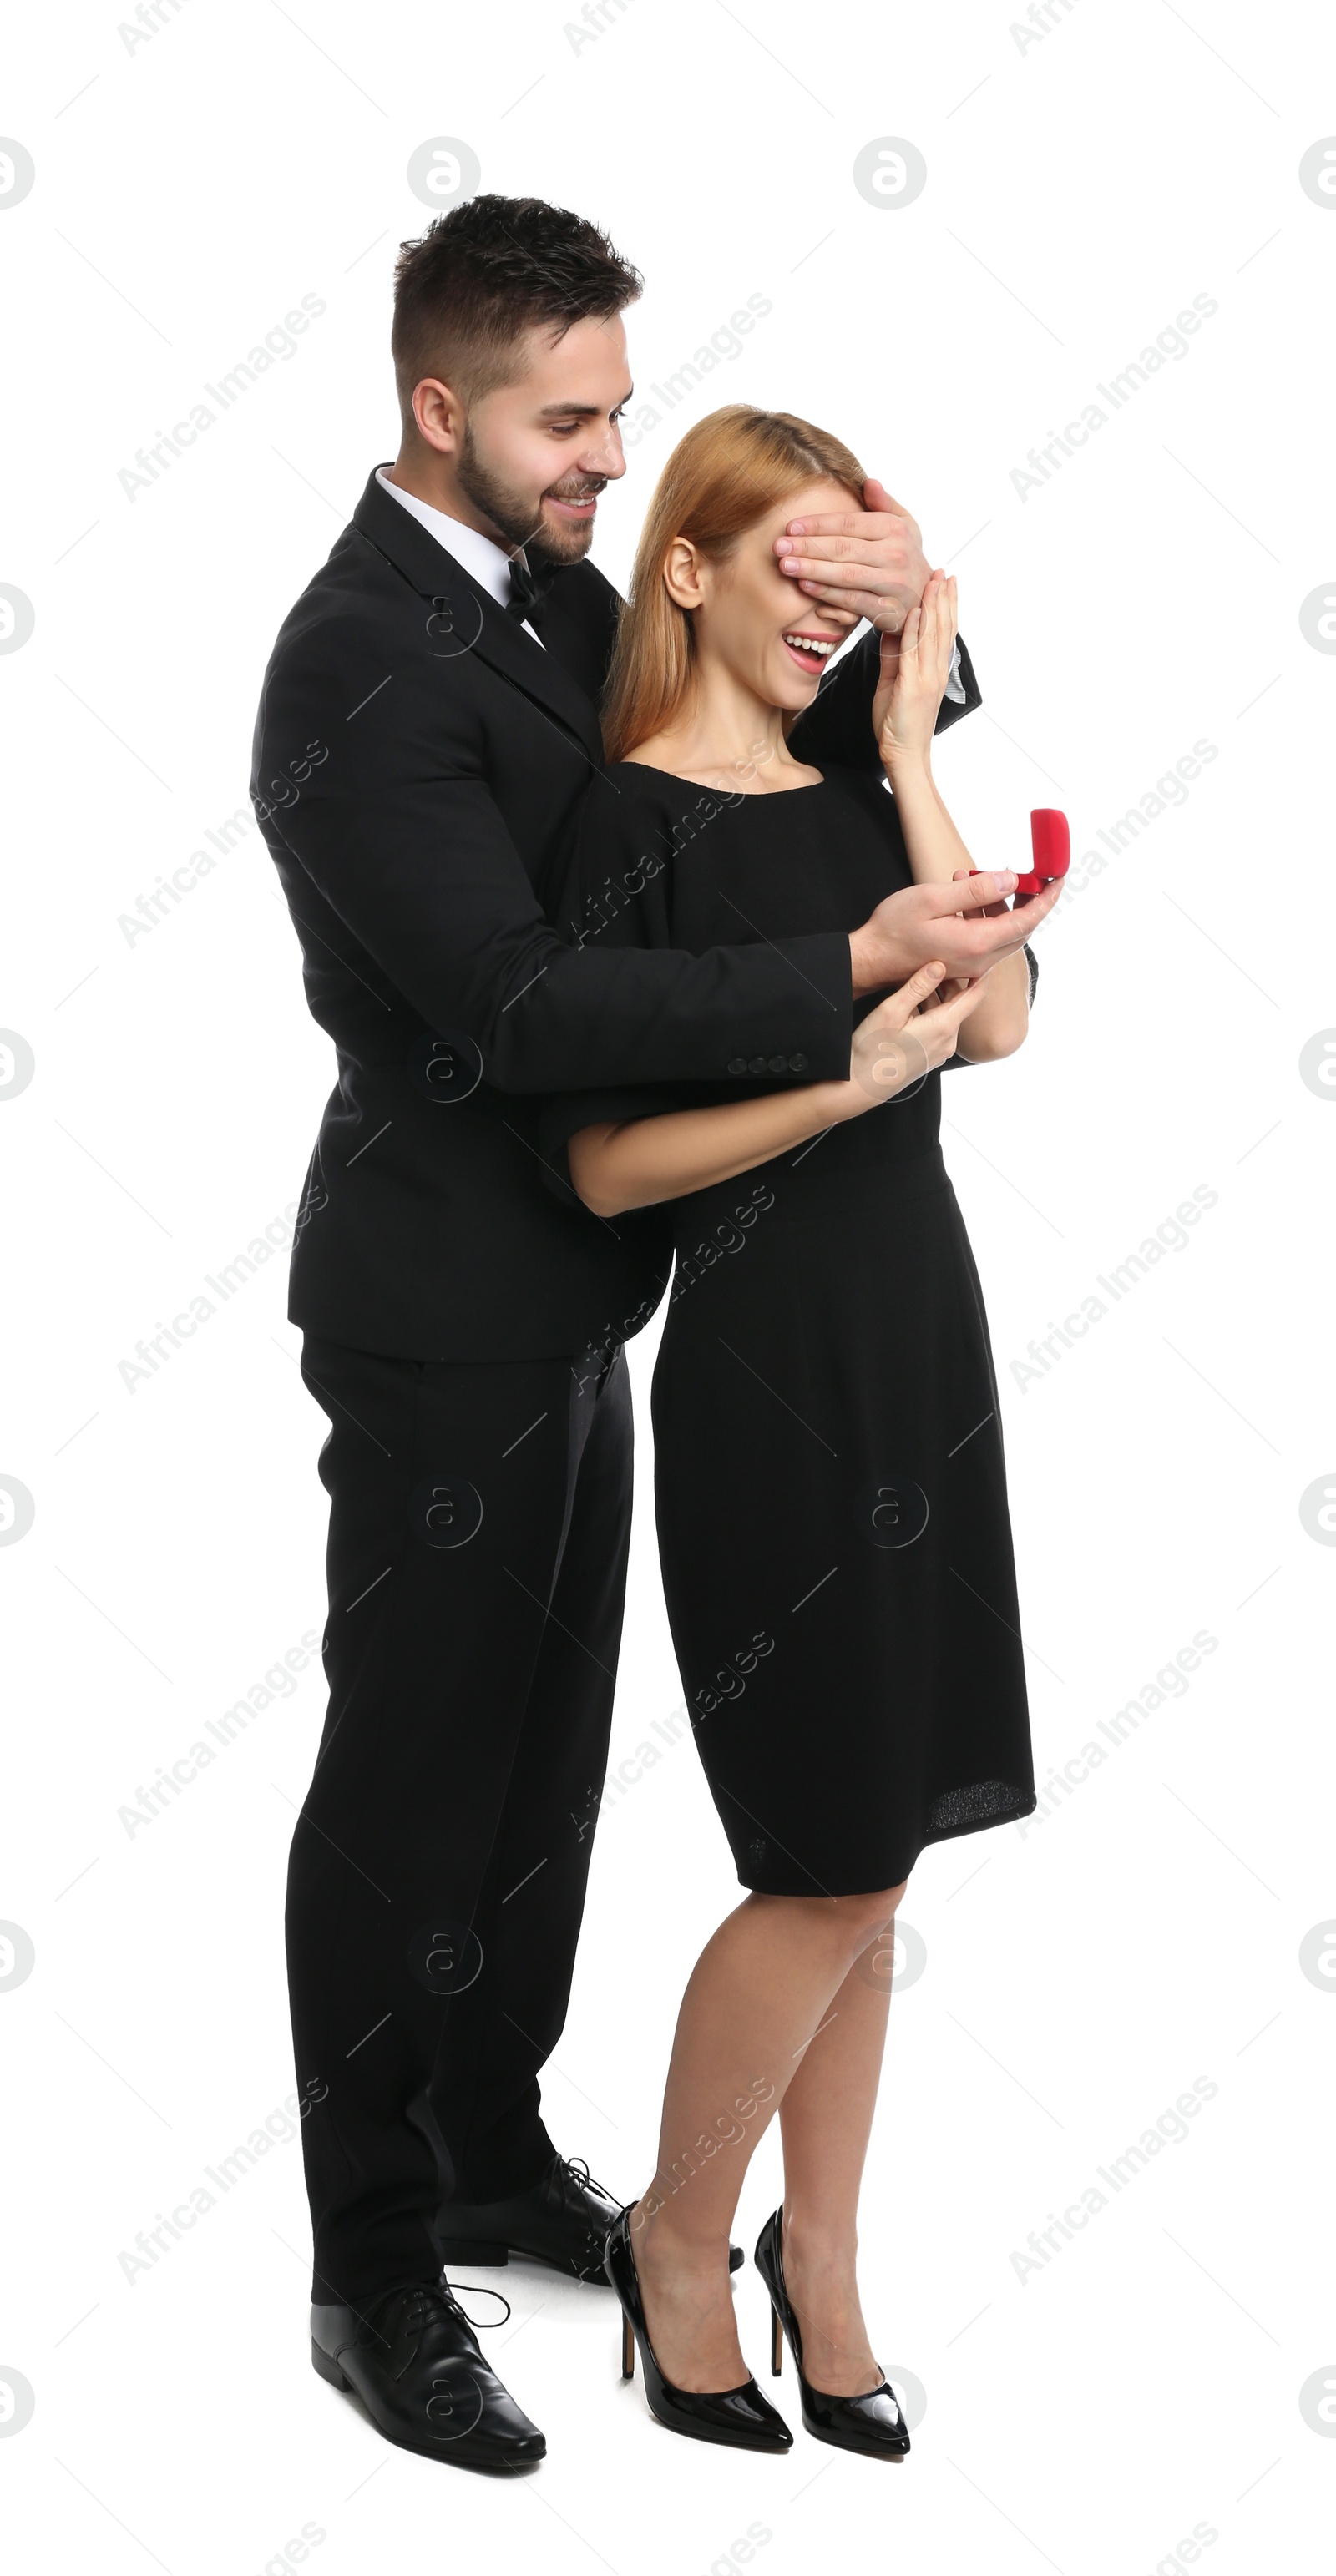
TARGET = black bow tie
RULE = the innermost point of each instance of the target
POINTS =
(526, 587)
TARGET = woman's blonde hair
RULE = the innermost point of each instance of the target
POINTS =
(720, 479)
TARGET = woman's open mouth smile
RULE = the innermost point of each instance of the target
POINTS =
(809, 652)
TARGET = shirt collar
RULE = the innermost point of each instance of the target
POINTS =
(487, 562)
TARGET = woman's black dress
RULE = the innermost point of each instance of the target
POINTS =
(829, 1477)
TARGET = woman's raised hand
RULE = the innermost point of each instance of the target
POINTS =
(915, 668)
(909, 1034)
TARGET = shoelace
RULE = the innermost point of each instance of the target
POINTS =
(416, 2314)
(577, 2168)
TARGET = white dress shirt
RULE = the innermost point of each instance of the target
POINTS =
(488, 563)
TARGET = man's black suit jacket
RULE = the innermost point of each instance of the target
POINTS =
(418, 763)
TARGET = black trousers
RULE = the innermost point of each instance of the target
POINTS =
(479, 1526)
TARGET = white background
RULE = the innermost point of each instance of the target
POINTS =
(1081, 1972)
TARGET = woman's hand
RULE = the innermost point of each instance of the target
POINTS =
(915, 667)
(909, 1034)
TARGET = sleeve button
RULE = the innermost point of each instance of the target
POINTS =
(759, 1064)
(737, 1064)
(797, 1064)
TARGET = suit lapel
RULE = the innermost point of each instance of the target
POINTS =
(462, 617)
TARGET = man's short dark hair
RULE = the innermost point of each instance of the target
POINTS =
(480, 278)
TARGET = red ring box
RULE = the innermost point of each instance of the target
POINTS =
(1051, 847)
(1051, 843)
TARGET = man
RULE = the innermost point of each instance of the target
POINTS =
(426, 732)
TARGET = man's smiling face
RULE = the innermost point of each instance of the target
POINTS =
(536, 453)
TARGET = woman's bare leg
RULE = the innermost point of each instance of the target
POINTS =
(759, 1993)
(826, 2121)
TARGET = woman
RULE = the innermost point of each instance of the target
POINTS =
(829, 1478)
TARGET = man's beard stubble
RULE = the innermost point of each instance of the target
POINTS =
(515, 516)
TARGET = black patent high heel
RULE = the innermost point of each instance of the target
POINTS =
(740, 2416)
(873, 2423)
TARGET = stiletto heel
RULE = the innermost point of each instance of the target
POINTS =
(739, 2416)
(873, 2423)
(776, 2342)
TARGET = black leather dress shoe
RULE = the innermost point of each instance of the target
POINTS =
(562, 2220)
(415, 2362)
(872, 2423)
